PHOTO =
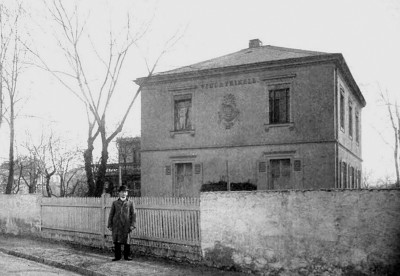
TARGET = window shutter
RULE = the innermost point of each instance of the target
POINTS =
(297, 165)
(262, 167)
(198, 174)
(168, 170)
(197, 168)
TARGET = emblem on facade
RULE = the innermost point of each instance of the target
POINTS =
(228, 113)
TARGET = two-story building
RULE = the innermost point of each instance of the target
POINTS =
(276, 117)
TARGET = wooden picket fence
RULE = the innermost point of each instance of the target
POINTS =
(168, 220)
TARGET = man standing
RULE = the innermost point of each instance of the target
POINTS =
(121, 222)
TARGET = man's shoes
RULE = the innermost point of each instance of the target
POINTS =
(116, 259)
(127, 252)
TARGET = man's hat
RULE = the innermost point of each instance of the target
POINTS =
(123, 188)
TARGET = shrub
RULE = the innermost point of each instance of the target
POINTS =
(222, 186)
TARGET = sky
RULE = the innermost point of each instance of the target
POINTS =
(366, 32)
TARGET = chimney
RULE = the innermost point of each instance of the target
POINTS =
(254, 43)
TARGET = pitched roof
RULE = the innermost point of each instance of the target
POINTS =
(245, 56)
(255, 55)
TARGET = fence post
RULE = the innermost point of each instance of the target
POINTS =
(103, 219)
(41, 214)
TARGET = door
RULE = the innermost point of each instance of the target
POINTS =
(183, 185)
(280, 174)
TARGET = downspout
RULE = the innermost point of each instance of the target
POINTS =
(335, 126)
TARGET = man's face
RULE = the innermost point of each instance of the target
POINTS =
(123, 194)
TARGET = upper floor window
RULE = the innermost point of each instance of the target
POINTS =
(342, 110)
(357, 127)
(350, 119)
(279, 106)
(182, 112)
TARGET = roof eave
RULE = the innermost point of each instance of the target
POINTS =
(347, 73)
(227, 69)
(335, 58)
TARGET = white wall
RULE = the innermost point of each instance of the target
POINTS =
(300, 231)
(20, 214)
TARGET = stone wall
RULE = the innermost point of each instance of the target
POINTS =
(302, 232)
(20, 214)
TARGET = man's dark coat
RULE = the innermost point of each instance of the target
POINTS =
(122, 217)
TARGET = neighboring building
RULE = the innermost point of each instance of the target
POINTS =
(276, 117)
(127, 170)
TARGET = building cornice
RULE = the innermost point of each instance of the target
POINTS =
(213, 147)
(336, 59)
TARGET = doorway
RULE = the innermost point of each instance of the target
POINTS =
(280, 174)
(183, 184)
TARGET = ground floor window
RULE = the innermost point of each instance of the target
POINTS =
(349, 176)
(344, 175)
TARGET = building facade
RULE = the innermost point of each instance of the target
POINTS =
(276, 117)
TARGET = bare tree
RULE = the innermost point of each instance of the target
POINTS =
(67, 169)
(12, 55)
(385, 182)
(366, 180)
(394, 115)
(29, 171)
(5, 37)
(54, 156)
(21, 170)
(95, 96)
(43, 151)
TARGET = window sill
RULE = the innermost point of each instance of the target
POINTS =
(290, 126)
(172, 133)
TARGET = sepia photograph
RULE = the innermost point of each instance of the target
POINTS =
(148, 137)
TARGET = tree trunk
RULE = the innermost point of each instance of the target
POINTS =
(32, 189)
(62, 187)
(88, 157)
(396, 157)
(1, 93)
(11, 166)
(33, 177)
(101, 172)
(48, 188)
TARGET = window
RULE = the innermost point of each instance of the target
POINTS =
(350, 119)
(344, 175)
(357, 180)
(183, 112)
(357, 127)
(342, 110)
(279, 106)
(351, 177)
